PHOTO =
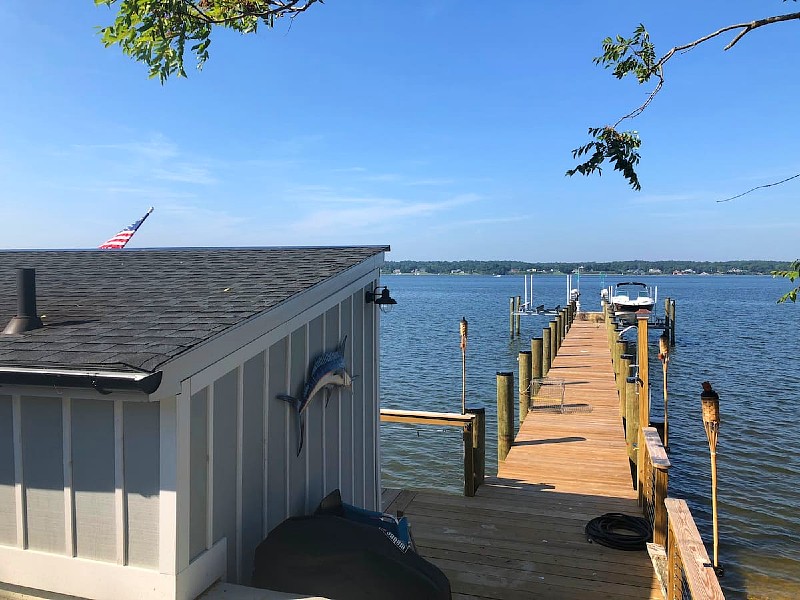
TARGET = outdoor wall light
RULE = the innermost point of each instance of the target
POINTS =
(382, 299)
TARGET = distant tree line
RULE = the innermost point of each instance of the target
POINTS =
(627, 267)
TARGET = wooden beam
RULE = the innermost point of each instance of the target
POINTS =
(422, 417)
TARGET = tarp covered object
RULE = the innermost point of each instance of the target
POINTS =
(338, 558)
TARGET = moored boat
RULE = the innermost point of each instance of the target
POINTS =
(628, 297)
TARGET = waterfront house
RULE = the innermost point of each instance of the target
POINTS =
(143, 451)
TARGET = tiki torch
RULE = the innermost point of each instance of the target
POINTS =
(464, 332)
(663, 355)
(710, 401)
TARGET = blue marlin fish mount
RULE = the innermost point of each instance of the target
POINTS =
(329, 371)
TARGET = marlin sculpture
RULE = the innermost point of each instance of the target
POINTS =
(329, 371)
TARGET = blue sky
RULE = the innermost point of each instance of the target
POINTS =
(439, 127)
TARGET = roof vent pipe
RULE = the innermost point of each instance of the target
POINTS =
(26, 318)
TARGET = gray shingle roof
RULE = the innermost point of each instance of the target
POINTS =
(135, 309)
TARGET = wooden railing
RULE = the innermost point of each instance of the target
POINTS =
(473, 424)
(653, 487)
(690, 573)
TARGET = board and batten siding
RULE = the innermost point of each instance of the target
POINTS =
(128, 497)
(76, 471)
(246, 476)
(8, 508)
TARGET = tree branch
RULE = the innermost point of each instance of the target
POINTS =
(636, 56)
(758, 187)
(657, 69)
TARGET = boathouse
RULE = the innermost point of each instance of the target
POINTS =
(143, 451)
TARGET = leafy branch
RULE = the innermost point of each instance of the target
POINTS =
(618, 147)
(636, 56)
(156, 32)
(791, 274)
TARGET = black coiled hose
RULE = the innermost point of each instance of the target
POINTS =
(612, 530)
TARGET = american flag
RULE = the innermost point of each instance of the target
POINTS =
(123, 237)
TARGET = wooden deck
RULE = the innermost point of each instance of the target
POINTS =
(522, 535)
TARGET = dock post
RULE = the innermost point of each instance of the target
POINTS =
(672, 323)
(619, 349)
(624, 367)
(562, 320)
(553, 341)
(525, 369)
(667, 318)
(518, 315)
(479, 445)
(536, 364)
(559, 331)
(505, 413)
(632, 421)
(511, 317)
(546, 353)
(469, 459)
(644, 393)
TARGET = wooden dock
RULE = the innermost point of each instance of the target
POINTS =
(522, 535)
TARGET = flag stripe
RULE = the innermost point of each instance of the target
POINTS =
(123, 237)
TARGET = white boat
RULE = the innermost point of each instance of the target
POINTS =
(628, 297)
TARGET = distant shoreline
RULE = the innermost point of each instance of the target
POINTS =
(614, 268)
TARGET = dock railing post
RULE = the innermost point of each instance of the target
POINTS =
(479, 445)
(644, 392)
(525, 360)
(469, 459)
(624, 367)
(505, 413)
(632, 420)
(518, 315)
(553, 341)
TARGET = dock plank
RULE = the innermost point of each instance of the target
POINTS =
(522, 535)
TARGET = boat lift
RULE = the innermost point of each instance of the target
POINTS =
(526, 308)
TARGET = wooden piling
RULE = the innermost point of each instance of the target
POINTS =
(553, 341)
(536, 357)
(469, 461)
(620, 346)
(505, 413)
(518, 315)
(672, 323)
(632, 415)
(644, 391)
(511, 317)
(546, 352)
(525, 370)
(624, 367)
(479, 445)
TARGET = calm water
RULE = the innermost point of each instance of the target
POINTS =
(730, 331)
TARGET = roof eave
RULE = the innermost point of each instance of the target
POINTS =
(104, 382)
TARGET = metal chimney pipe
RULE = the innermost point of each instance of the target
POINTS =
(26, 318)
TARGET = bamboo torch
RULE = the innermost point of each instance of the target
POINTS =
(710, 401)
(663, 354)
(464, 332)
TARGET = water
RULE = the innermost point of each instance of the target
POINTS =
(730, 331)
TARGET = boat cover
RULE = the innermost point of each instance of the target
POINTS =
(336, 557)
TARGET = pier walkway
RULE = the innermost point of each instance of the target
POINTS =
(522, 535)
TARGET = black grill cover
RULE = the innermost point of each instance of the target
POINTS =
(345, 560)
